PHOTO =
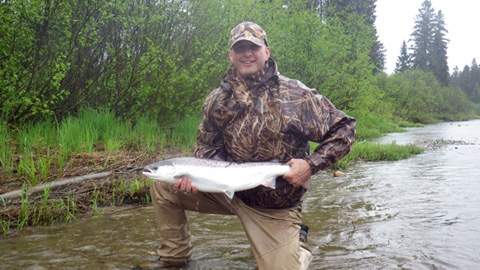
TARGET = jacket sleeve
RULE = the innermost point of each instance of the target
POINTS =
(333, 129)
(209, 137)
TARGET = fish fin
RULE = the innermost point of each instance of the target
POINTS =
(179, 176)
(308, 185)
(229, 194)
(271, 183)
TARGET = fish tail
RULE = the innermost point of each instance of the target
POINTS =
(308, 185)
(229, 195)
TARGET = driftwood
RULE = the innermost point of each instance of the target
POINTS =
(53, 185)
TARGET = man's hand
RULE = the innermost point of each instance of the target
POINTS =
(299, 172)
(185, 185)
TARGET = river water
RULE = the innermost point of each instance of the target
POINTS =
(418, 213)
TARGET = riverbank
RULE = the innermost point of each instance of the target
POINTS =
(123, 184)
(92, 181)
(106, 170)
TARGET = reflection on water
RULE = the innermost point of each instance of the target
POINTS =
(419, 213)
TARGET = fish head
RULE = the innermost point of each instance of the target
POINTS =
(163, 170)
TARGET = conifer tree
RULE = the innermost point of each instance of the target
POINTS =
(468, 80)
(422, 37)
(439, 50)
(403, 61)
(429, 51)
(454, 78)
(475, 77)
(465, 81)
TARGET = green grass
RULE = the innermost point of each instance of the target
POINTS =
(41, 146)
(146, 134)
(6, 151)
(184, 134)
(374, 127)
(409, 124)
(369, 127)
(367, 151)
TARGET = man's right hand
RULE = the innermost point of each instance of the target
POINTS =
(185, 185)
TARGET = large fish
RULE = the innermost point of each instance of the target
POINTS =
(215, 176)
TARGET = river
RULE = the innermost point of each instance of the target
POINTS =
(418, 213)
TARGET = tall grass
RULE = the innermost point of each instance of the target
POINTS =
(43, 145)
(368, 151)
(376, 152)
(147, 134)
(184, 134)
(369, 127)
(403, 124)
(34, 149)
(6, 156)
(78, 134)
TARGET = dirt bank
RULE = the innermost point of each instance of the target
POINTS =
(118, 181)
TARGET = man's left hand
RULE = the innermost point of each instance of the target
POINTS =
(299, 172)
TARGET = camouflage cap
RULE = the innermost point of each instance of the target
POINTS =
(248, 31)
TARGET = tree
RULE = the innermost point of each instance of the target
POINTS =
(422, 37)
(403, 61)
(429, 51)
(439, 50)
(127, 56)
(365, 9)
(331, 54)
(475, 84)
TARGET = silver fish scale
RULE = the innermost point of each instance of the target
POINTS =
(192, 161)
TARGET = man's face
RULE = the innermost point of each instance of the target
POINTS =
(248, 58)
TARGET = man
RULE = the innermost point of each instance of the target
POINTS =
(256, 115)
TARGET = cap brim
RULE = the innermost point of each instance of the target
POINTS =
(254, 40)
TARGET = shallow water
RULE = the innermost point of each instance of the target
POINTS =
(418, 213)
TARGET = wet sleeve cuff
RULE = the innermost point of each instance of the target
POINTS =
(314, 168)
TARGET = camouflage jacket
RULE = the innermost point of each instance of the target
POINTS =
(271, 117)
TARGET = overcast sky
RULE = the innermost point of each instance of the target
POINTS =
(396, 19)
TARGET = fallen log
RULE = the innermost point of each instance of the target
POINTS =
(53, 185)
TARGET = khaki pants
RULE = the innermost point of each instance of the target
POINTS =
(273, 233)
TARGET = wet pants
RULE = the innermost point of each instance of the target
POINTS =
(273, 233)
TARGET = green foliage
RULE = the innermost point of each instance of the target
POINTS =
(331, 56)
(413, 94)
(161, 58)
(368, 151)
(59, 56)
(371, 126)
(417, 96)
(32, 54)
(379, 152)
(468, 80)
